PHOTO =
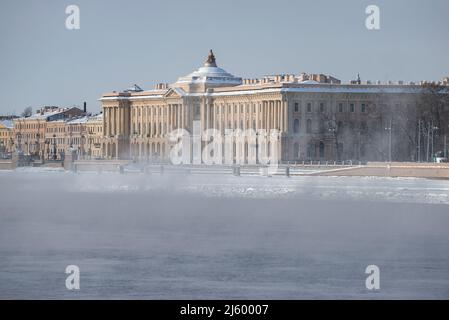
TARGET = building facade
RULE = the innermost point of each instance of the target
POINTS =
(6, 136)
(318, 117)
(33, 135)
(95, 137)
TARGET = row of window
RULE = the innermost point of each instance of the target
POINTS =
(152, 110)
(247, 108)
(237, 108)
(327, 126)
(314, 150)
(23, 126)
(323, 108)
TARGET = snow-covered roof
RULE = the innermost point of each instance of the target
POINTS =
(134, 88)
(312, 88)
(300, 87)
(7, 124)
(44, 115)
(97, 117)
(78, 120)
(309, 82)
(211, 74)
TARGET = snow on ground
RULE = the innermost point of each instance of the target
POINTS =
(338, 188)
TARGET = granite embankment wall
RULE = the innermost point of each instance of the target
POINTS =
(394, 169)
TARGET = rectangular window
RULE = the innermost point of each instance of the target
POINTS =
(296, 107)
(340, 107)
(322, 107)
(363, 107)
(352, 107)
(309, 107)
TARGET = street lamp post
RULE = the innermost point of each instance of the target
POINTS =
(432, 130)
(47, 148)
(38, 149)
(419, 141)
(333, 130)
(445, 147)
(19, 142)
(389, 140)
(54, 147)
(82, 146)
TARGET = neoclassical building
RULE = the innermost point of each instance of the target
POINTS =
(318, 117)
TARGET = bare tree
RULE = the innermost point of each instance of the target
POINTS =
(433, 119)
(27, 112)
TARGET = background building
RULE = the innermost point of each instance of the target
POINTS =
(30, 133)
(95, 137)
(6, 136)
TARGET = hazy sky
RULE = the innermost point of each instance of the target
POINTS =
(125, 42)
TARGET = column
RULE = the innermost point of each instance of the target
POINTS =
(278, 126)
(106, 126)
(214, 117)
(285, 113)
(281, 114)
(181, 110)
(257, 115)
(207, 115)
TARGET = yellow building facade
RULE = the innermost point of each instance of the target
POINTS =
(6, 136)
(317, 116)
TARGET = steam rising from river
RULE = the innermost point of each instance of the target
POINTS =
(216, 236)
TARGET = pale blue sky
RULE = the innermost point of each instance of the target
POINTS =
(144, 42)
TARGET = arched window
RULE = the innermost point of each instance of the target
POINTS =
(296, 151)
(340, 126)
(296, 126)
(310, 149)
(322, 126)
(309, 126)
(321, 149)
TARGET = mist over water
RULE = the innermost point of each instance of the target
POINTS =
(219, 236)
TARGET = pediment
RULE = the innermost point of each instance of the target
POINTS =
(174, 93)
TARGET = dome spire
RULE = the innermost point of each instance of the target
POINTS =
(210, 62)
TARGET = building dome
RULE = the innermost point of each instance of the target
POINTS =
(211, 75)
(309, 82)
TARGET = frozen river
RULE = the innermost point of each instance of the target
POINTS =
(215, 236)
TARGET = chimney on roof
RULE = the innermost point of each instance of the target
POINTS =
(85, 107)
